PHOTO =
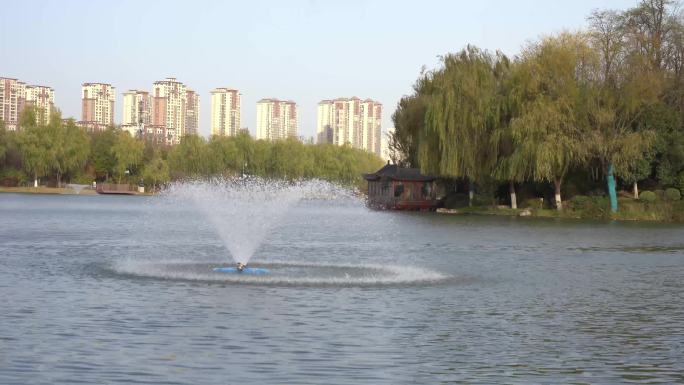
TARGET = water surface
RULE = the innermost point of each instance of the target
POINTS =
(103, 289)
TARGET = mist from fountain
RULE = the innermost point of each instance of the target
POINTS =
(77, 187)
(244, 210)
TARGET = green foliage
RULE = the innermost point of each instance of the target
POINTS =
(672, 194)
(680, 181)
(533, 203)
(610, 98)
(102, 159)
(156, 171)
(461, 116)
(3, 142)
(128, 153)
(36, 145)
(648, 196)
(590, 206)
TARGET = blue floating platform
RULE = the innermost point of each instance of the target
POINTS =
(247, 270)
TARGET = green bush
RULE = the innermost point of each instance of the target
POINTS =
(589, 206)
(680, 181)
(660, 194)
(456, 200)
(579, 202)
(672, 194)
(648, 196)
(533, 203)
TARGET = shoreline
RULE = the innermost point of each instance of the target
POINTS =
(59, 191)
(622, 216)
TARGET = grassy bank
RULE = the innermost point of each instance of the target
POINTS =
(591, 208)
(44, 190)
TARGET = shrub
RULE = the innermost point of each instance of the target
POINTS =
(660, 194)
(456, 200)
(533, 203)
(672, 194)
(590, 206)
(680, 182)
(648, 196)
(579, 202)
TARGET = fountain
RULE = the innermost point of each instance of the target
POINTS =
(242, 210)
(77, 187)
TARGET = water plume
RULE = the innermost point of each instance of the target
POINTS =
(244, 210)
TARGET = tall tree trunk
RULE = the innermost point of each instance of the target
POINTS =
(35, 180)
(471, 192)
(559, 202)
(59, 180)
(610, 178)
(514, 200)
(636, 190)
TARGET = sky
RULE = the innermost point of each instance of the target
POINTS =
(305, 51)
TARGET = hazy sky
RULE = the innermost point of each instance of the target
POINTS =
(300, 50)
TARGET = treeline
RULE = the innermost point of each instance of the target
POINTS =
(595, 105)
(61, 151)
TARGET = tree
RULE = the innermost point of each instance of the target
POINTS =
(76, 149)
(127, 152)
(189, 158)
(101, 156)
(69, 146)
(623, 87)
(156, 171)
(3, 142)
(461, 117)
(548, 133)
(35, 146)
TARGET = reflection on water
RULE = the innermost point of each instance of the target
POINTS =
(115, 289)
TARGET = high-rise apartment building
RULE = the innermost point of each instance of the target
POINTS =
(192, 111)
(276, 119)
(42, 98)
(12, 98)
(350, 121)
(371, 126)
(169, 109)
(225, 112)
(97, 106)
(16, 95)
(136, 111)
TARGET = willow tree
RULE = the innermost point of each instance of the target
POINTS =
(35, 146)
(460, 118)
(127, 152)
(156, 171)
(624, 85)
(548, 133)
(409, 123)
(3, 142)
(70, 146)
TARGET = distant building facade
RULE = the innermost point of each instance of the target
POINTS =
(192, 111)
(42, 98)
(97, 106)
(276, 119)
(225, 112)
(169, 109)
(12, 99)
(15, 95)
(350, 121)
(136, 111)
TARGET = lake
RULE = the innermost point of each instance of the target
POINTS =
(107, 289)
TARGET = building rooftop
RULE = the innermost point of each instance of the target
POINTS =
(223, 89)
(394, 172)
